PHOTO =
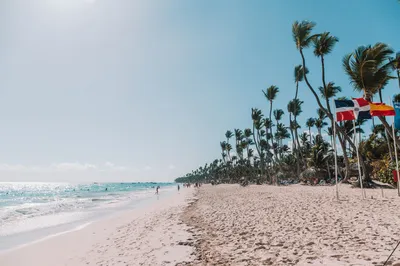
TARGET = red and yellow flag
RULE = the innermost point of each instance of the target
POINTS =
(381, 109)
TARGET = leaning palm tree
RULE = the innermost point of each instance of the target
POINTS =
(303, 37)
(330, 91)
(368, 68)
(298, 77)
(323, 45)
(310, 123)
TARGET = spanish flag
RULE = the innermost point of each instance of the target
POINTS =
(381, 109)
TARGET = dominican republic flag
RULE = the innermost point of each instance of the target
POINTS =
(352, 109)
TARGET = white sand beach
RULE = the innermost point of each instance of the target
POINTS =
(233, 225)
(152, 235)
(294, 225)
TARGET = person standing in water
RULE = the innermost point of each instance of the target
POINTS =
(179, 187)
(157, 189)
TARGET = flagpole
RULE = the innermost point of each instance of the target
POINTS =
(335, 149)
(358, 159)
(397, 162)
(395, 150)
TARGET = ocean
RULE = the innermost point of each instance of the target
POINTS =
(32, 210)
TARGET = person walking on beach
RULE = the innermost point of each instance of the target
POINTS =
(157, 190)
(179, 187)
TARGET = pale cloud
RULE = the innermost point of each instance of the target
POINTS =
(73, 166)
(66, 166)
(147, 168)
(108, 164)
(9, 167)
(171, 167)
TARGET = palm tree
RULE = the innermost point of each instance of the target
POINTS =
(310, 123)
(223, 148)
(228, 135)
(268, 125)
(298, 77)
(257, 116)
(294, 107)
(281, 134)
(302, 35)
(278, 113)
(349, 128)
(323, 45)
(238, 140)
(368, 68)
(319, 124)
(228, 150)
(271, 94)
(330, 91)
(395, 62)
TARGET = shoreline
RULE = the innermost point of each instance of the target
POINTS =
(148, 234)
(34, 229)
(293, 225)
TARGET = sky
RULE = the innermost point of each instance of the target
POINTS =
(144, 90)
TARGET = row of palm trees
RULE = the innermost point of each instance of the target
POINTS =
(261, 153)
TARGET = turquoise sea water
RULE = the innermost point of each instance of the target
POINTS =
(26, 207)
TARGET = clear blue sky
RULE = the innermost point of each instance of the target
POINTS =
(145, 90)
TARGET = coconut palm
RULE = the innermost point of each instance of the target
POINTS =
(223, 149)
(294, 107)
(323, 45)
(238, 139)
(310, 123)
(368, 68)
(270, 94)
(298, 77)
(228, 135)
(281, 134)
(395, 62)
(257, 117)
(330, 91)
(303, 37)
(268, 125)
(278, 113)
(319, 124)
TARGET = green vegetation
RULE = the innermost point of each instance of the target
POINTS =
(261, 155)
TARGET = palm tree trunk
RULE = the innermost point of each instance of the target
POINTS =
(270, 129)
(388, 140)
(386, 133)
(300, 155)
(389, 131)
(294, 148)
(339, 129)
(296, 135)
(277, 141)
(309, 133)
(324, 84)
(343, 144)
(398, 76)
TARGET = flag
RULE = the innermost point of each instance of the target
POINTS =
(352, 109)
(396, 106)
(381, 109)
